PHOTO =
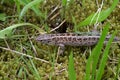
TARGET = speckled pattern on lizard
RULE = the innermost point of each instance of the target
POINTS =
(72, 39)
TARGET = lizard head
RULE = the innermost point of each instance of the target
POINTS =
(44, 38)
(116, 39)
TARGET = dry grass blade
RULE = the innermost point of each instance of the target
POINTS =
(7, 49)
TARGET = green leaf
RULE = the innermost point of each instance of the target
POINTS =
(71, 70)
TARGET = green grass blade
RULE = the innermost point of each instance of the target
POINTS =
(32, 68)
(64, 2)
(35, 72)
(28, 6)
(20, 72)
(64, 5)
(75, 24)
(71, 70)
(104, 58)
(18, 6)
(24, 2)
(98, 17)
(2, 17)
(117, 71)
(97, 52)
(93, 59)
(7, 32)
(71, 1)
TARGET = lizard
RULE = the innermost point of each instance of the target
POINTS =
(72, 39)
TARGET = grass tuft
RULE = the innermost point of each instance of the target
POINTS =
(94, 57)
(104, 58)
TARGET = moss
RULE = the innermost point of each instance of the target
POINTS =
(11, 63)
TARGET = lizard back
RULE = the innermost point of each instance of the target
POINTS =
(71, 39)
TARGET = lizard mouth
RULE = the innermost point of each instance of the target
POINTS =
(116, 39)
(37, 39)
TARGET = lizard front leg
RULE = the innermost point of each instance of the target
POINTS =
(61, 49)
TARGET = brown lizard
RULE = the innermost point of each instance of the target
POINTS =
(72, 39)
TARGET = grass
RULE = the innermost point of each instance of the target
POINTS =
(71, 70)
(104, 59)
(2, 17)
(8, 32)
(93, 59)
(33, 69)
(47, 68)
(31, 5)
(95, 56)
(99, 16)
